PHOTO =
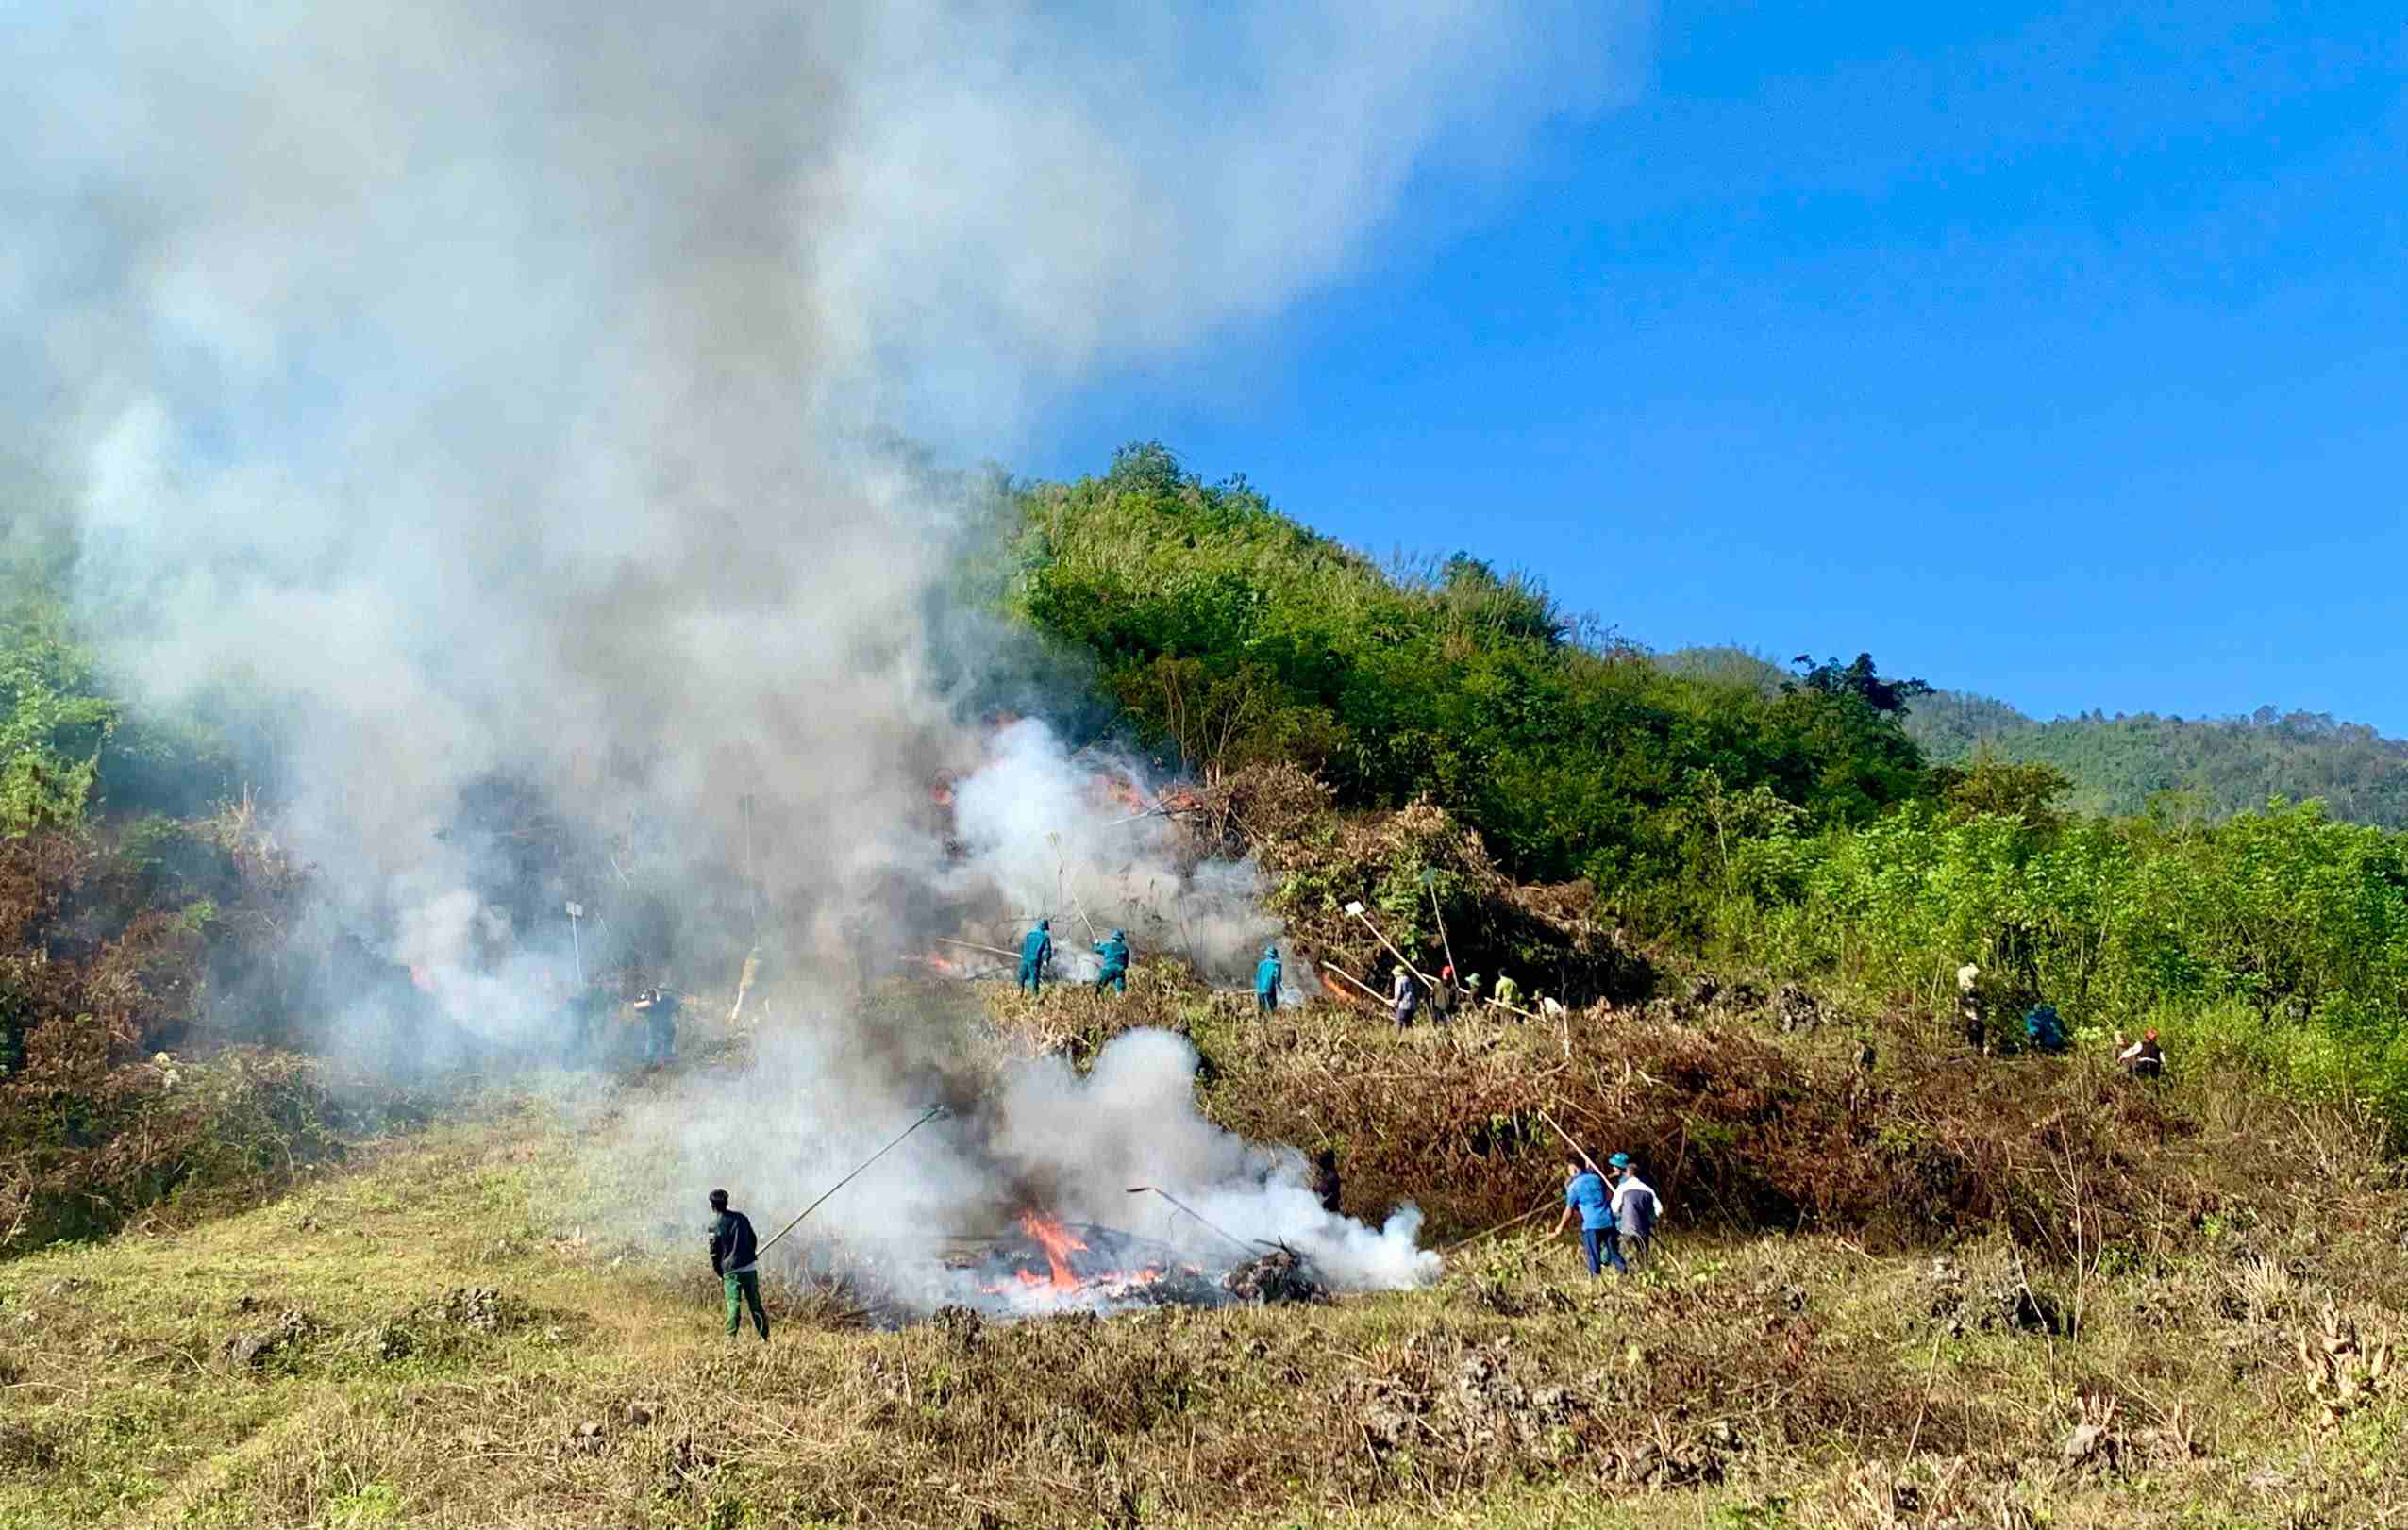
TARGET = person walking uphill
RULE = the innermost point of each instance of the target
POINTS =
(1584, 1193)
(1635, 1207)
(1407, 998)
(1036, 955)
(1115, 974)
(1266, 981)
(732, 1255)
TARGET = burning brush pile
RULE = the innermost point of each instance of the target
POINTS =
(1050, 1266)
(1036, 1188)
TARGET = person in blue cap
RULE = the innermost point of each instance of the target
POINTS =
(1115, 974)
(1584, 1193)
(1635, 1207)
(1266, 981)
(1036, 955)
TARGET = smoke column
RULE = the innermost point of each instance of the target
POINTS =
(513, 391)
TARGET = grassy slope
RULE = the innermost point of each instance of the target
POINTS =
(1782, 1379)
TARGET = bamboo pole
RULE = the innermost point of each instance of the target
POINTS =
(1355, 910)
(993, 950)
(933, 1112)
(1329, 966)
(1475, 1238)
(1573, 1145)
(1429, 884)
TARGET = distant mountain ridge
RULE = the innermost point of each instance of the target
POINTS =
(2119, 763)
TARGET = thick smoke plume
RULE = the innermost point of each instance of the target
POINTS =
(505, 398)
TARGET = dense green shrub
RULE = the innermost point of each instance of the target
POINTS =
(2283, 914)
(1232, 636)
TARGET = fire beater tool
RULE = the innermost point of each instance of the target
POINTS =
(1490, 1232)
(933, 1112)
(1157, 1189)
(1062, 883)
(1355, 910)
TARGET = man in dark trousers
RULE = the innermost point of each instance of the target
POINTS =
(1266, 981)
(1036, 955)
(660, 1009)
(1585, 1191)
(732, 1253)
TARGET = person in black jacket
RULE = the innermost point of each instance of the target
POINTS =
(659, 1007)
(732, 1253)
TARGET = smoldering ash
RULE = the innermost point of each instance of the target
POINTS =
(503, 400)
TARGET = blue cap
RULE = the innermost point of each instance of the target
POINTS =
(1620, 1160)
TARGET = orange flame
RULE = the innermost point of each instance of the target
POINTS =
(1059, 1243)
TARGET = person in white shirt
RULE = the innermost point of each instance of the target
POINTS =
(2144, 1059)
(1636, 1208)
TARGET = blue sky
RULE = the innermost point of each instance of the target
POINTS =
(2060, 356)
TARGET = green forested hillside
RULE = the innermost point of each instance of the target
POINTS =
(2119, 765)
(2226, 765)
(1234, 635)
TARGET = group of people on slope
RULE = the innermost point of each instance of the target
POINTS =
(1447, 996)
(1617, 1225)
(1112, 971)
(2044, 1030)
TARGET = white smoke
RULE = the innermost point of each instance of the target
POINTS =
(1085, 839)
(1049, 1140)
(509, 392)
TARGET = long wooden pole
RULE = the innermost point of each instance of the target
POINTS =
(1574, 1146)
(1392, 950)
(934, 1111)
(1440, 914)
(1329, 966)
(996, 950)
(1475, 1238)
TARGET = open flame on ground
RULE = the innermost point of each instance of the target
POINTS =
(1054, 1264)
(1046, 1266)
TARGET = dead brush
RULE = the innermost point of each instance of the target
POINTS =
(2343, 1375)
(1877, 1496)
(2094, 1442)
(2264, 1290)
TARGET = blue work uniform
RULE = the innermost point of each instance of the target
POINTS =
(1586, 1195)
(1036, 953)
(1115, 969)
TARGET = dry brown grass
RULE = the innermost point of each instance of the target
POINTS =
(1751, 1379)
